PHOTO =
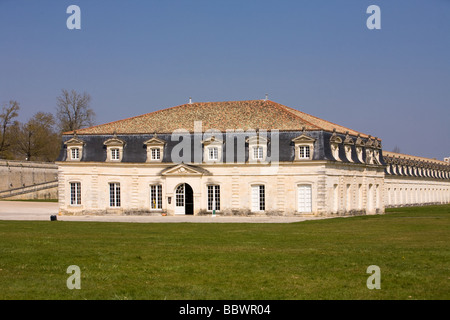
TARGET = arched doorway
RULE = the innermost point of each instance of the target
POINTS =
(184, 199)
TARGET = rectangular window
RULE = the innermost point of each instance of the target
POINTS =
(258, 153)
(213, 197)
(213, 153)
(258, 198)
(115, 154)
(75, 153)
(114, 194)
(304, 198)
(304, 152)
(156, 154)
(156, 196)
(75, 193)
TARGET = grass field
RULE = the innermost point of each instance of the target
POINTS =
(323, 259)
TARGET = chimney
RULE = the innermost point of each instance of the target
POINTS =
(267, 97)
(190, 100)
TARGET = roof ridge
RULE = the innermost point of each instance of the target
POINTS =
(285, 108)
(218, 114)
(337, 125)
(154, 112)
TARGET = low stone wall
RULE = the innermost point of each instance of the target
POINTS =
(46, 190)
(19, 174)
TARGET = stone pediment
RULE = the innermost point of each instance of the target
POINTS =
(212, 140)
(185, 170)
(114, 142)
(257, 140)
(74, 142)
(154, 142)
(303, 138)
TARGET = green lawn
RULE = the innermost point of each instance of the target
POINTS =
(324, 259)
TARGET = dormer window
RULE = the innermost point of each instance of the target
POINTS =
(155, 149)
(359, 148)
(348, 153)
(257, 146)
(304, 147)
(74, 149)
(335, 141)
(376, 156)
(370, 151)
(348, 143)
(114, 149)
(369, 156)
(212, 149)
(376, 151)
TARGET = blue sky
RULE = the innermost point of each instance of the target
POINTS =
(319, 57)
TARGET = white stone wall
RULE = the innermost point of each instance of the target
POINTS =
(403, 191)
(336, 188)
(18, 174)
(354, 189)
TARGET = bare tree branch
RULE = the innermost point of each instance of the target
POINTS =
(9, 112)
(73, 110)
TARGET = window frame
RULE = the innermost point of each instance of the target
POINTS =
(155, 154)
(304, 152)
(75, 193)
(75, 153)
(261, 195)
(156, 197)
(258, 152)
(114, 195)
(213, 197)
(213, 153)
(115, 154)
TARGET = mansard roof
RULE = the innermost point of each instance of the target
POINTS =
(394, 156)
(228, 115)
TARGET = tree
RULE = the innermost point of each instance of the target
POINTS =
(9, 112)
(73, 110)
(37, 139)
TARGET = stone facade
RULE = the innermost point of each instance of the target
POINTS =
(300, 165)
(335, 189)
(411, 180)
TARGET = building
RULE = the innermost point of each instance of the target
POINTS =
(238, 157)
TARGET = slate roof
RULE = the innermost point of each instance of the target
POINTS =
(408, 157)
(249, 114)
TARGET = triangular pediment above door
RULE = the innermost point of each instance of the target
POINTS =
(184, 170)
